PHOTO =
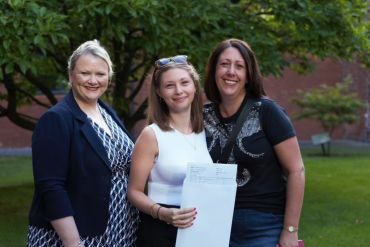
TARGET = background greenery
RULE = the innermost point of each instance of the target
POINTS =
(335, 212)
(332, 106)
(38, 36)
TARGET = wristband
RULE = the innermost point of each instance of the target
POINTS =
(158, 211)
(152, 211)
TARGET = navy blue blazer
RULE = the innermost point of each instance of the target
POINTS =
(71, 169)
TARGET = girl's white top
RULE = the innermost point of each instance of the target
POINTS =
(169, 169)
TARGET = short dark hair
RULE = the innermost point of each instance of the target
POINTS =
(158, 110)
(254, 85)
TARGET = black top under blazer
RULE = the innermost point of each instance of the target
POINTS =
(71, 169)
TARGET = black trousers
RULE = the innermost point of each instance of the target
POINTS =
(155, 233)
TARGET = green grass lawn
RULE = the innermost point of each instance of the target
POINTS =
(16, 188)
(336, 209)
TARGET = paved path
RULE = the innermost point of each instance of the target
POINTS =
(344, 143)
(15, 151)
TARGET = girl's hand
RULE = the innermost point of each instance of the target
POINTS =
(181, 218)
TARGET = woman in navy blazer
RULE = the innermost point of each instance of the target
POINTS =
(81, 156)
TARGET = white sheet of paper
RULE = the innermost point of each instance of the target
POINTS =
(211, 189)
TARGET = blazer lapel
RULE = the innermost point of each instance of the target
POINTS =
(95, 142)
(87, 130)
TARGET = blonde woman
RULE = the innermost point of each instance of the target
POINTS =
(174, 137)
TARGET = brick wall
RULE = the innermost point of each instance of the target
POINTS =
(13, 136)
(284, 89)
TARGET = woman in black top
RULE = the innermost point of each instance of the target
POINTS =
(270, 168)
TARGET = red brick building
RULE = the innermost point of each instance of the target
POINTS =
(283, 90)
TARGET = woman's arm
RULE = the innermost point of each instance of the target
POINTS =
(289, 155)
(50, 151)
(144, 154)
(142, 159)
(67, 231)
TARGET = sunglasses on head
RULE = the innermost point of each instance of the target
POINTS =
(181, 59)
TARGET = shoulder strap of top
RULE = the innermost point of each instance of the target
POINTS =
(225, 153)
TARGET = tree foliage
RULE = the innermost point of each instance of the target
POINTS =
(38, 36)
(332, 106)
